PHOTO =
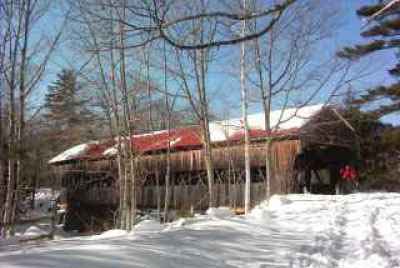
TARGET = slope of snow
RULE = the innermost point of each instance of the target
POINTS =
(359, 230)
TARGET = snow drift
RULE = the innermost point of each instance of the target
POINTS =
(359, 230)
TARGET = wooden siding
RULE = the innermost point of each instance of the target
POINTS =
(188, 177)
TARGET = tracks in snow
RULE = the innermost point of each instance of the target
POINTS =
(353, 235)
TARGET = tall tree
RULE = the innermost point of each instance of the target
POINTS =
(198, 62)
(23, 61)
(243, 90)
(67, 111)
(382, 33)
(285, 68)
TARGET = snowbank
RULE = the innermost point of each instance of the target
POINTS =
(147, 226)
(109, 234)
(220, 212)
(34, 231)
(353, 231)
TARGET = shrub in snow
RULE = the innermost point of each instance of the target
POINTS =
(148, 226)
(110, 234)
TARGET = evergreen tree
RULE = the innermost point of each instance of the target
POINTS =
(383, 30)
(67, 112)
(377, 146)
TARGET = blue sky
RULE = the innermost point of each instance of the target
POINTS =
(350, 35)
(346, 34)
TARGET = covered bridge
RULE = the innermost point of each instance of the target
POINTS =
(90, 175)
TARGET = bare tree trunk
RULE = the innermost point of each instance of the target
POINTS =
(127, 141)
(146, 55)
(205, 126)
(129, 189)
(201, 111)
(267, 97)
(120, 164)
(132, 212)
(11, 184)
(266, 104)
(167, 186)
(168, 160)
(2, 149)
(157, 177)
(125, 198)
(268, 167)
(121, 179)
(22, 72)
(209, 162)
(200, 59)
(245, 123)
(34, 186)
(120, 157)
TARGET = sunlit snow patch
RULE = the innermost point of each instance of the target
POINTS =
(220, 212)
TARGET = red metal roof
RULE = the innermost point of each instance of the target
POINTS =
(189, 138)
(179, 139)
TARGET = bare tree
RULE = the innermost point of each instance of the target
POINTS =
(168, 123)
(147, 24)
(19, 56)
(286, 69)
(121, 91)
(3, 40)
(199, 61)
(243, 91)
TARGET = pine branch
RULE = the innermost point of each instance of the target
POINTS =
(356, 52)
(386, 28)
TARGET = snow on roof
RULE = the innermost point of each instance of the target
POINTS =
(283, 122)
(292, 118)
(111, 151)
(70, 154)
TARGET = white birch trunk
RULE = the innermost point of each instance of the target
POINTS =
(245, 123)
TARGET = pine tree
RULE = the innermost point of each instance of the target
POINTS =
(67, 114)
(383, 30)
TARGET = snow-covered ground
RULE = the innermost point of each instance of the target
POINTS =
(35, 223)
(359, 230)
